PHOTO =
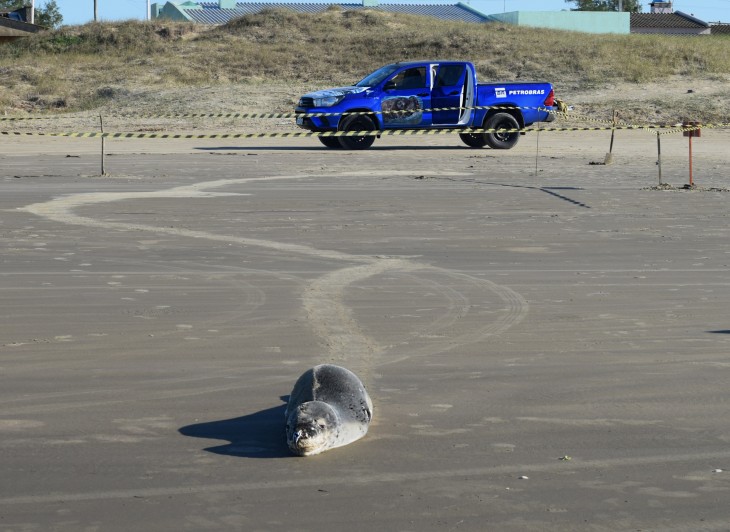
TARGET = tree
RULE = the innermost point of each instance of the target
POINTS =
(47, 15)
(11, 4)
(632, 6)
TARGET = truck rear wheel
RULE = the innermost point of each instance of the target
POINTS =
(357, 123)
(331, 142)
(502, 140)
(474, 140)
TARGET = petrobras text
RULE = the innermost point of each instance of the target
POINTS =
(526, 92)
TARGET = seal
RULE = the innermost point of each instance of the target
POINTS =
(328, 407)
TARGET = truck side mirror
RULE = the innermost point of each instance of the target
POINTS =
(389, 86)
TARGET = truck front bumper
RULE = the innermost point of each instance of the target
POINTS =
(315, 122)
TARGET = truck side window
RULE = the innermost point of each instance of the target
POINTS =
(411, 78)
(449, 75)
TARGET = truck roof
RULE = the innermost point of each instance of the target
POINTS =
(440, 61)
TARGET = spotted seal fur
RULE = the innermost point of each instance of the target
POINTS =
(328, 407)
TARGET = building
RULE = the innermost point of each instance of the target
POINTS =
(676, 23)
(14, 24)
(662, 18)
(718, 28)
(660, 7)
(583, 21)
(222, 11)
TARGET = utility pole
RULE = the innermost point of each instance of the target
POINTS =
(95, 11)
(32, 12)
(620, 6)
(149, 12)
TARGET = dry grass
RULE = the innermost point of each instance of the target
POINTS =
(96, 65)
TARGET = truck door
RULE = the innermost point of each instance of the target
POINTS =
(452, 92)
(406, 99)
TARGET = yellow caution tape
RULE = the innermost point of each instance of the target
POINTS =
(561, 112)
(304, 134)
(265, 115)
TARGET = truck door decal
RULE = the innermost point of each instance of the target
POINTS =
(405, 110)
(406, 96)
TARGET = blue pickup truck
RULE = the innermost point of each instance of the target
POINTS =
(422, 95)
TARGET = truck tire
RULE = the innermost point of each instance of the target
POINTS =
(499, 140)
(474, 140)
(356, 123)
(331, 142)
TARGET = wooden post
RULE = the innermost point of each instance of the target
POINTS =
(101, 123)
(659, 154)
(691, 183)
(613, 129)
(691, 129)
(537, 147)
(609, 156)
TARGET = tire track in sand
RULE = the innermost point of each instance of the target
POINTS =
(330, 318)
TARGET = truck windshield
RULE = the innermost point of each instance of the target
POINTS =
(376, 77)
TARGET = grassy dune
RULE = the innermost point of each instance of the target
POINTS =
(96, 65)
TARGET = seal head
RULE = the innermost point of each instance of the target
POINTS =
(312, 427)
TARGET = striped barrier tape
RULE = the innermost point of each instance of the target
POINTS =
(264, 115)
(57, 117)
(303, 134)
(581, 118)
(143, 115)
(558, 113)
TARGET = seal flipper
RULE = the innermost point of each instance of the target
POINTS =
(301, 393)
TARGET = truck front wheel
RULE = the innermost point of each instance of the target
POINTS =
(502, 140)
(357, 123)
(474, 140)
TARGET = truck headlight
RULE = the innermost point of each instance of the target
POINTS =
(328, 101)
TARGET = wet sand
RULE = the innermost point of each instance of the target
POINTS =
(546, 340)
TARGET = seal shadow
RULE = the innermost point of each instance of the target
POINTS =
(258, 435)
